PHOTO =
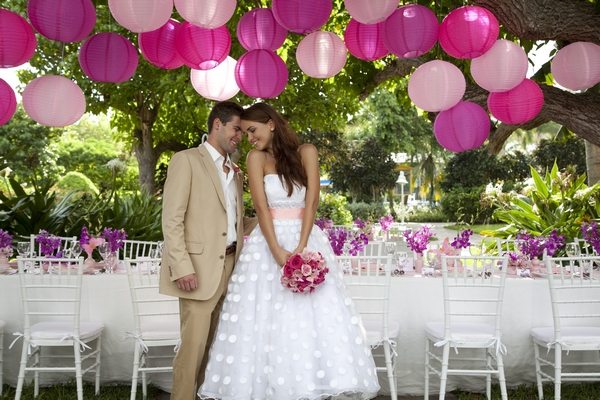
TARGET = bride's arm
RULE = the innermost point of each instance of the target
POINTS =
(310, 162)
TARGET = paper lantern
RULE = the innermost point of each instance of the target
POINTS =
(302, 16)
(369, 11)
(410, 31)
(209, 14)
(436, 85)
(62, 20)
(108, 57)
(468, 32)
(577, 66)
(218, 83)
(202, 48)
(53, 100)
(8, 102)
(462, 127)
(258, 29)
(141, 15)
(261, 73)
(17, 41)
(158, 47)
(365, 41)
(321, 54)
(501, 68)
(518, 105)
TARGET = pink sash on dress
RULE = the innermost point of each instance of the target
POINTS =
(287, 213)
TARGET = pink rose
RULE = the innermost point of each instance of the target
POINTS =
(296, 261)
(306, 270)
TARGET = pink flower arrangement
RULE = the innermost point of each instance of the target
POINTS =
(386, 222)
(89, 243)
(418, 240)
(303, 272)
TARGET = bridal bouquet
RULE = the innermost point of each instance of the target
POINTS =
(303, 272)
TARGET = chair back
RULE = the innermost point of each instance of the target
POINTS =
(373, 248)
(505, 246)
(585, 248)
(66, 243)
(132, 249)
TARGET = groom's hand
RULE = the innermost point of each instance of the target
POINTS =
(187, 283)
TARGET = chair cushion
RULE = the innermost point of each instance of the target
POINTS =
(375, 333)
(468, 334)
(584, 337)
(154, 330)
(59, 330)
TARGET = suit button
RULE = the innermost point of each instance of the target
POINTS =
(224, 233)
(221, 257)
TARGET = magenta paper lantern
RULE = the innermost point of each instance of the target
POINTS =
(518, 105)
(158, 47)
(436, 85)
(321, 54)
(141, 15)
(302, 16)
(577, 66)
(365, 41)
(8, 102)
(108, 57)
(218, 83)
(501, 68)
(209, 14)
(258, 29)
(62, 20)
(369, 11)
(468, 32)
(462, 127)
(410, 31)
(261, 73)
(53, 100)
(202, 48)
(17, 41)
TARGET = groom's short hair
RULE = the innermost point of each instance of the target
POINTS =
(225, 111)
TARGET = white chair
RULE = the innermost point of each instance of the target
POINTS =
(133, 249)
(368, 280)
(51, 294)
(585, 248)
(156, 320)
(373, 248)
(65, 244)
(473, 294)
(575, 296)
(2, 325)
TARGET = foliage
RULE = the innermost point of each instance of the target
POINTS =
(463, 205)
(426, 214)
(569, 150)
(367, 211)
(334, 207)
(76, 182)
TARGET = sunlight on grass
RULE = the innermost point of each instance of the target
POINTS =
(483, 229)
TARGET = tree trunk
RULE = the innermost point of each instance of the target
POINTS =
(146, 154)
(592, 160)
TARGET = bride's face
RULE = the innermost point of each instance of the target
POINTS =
(259, 135)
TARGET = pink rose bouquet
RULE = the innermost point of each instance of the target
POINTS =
(303, 272)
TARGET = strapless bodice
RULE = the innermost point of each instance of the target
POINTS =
(277, 196)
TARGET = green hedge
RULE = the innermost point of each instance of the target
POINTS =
(464, 205)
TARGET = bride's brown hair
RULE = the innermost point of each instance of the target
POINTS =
(285, 145)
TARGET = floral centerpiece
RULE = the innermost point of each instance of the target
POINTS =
(5, 247)
(324, 223)
(89, 243)
(462, 240)
(419, 239)
(114, 238)
(303, 272)
(591, 235)
(530, 249)
(49, 244)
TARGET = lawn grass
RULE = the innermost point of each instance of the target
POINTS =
(69, 392)
(479, 229)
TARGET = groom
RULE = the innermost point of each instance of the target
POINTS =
(203, 232)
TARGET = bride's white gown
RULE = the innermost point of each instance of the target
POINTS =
(275, 344)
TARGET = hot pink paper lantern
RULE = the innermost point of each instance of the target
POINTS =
(202, 48)
(258, 29)
(218, 83)
(53, 100)
(108, 57)
(158, 47)
(501, 68)
(17, 41)
(463, 127)
(62, 20)
(8, 102)
(321, 54)
(209, 14)
(410, 31)
(141, 15)
(518, 105)
(468, 32)
(436, 85)
(302, 16)
(365, 41)
(261, 73)
(369, 11)
(577, 66)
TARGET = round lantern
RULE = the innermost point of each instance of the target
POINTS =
(463, 127)
(53, 100)
(410, 31)
(258, 29)
(261, 73)
(207, 14)
(518, 105)
(202, 48)
(17, 41)
(302, 16)
(501, 68)
(62, 20)
(158, 47)
(108, 57)
(8, 102)
(321, 54)
(365, 41)
(577, 66)
(468, 32)
(141, 15)
(217, 83)
(369, 11)
(436, 85)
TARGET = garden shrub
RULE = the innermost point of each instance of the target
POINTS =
(334, 207)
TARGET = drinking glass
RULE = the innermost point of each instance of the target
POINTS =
(24, 249)
(104, 250)
(572, 250)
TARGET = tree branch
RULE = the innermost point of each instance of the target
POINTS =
(171, 145)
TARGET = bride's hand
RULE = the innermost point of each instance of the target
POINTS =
(298, 250)
(281, 255)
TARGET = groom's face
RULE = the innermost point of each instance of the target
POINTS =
(229, 135)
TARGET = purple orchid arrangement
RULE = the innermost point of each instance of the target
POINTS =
(533, 246)
(324, 223)
(48, 244)
(114, 238)
(5, 239)
(360, 224)
(418, 240)
(337, 239)
(462, 240)
(386, 222)
(358, 243)
(591, 235)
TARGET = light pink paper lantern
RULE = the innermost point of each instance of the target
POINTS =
(108, 57)
(321, 54)
(369, 11)
(218, 83)
(202, 48)
(517, 106)
(436, 86)
(577, 66)
(258, 29)
(501, 68)
(462, 127)
(62, 20)
(8, 102)
(410, 31)
(209, 14)
(17, 41)
(158, 47)
(302, 16)
(53, 100)
(261, 73)
(468, 32)
(141, 15)
(365, 41)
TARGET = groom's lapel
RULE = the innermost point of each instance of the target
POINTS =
(212, 172)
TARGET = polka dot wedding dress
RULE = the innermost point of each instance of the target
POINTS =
(272, 344)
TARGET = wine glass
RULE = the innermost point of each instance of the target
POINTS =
(24, 249)
(104, 250)
(75, 249)
(572, 250)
